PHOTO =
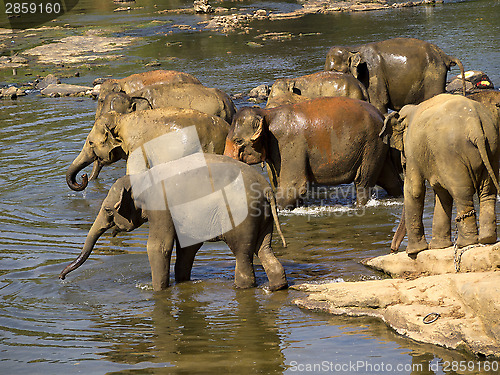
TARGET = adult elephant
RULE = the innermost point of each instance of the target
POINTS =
(114, 135)
(328, 141)
(120, 211)
(396, 71)
(139, 81)
(184, 95)
(453, 143)
(318, 85)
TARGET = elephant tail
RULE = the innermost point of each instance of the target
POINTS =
(483, 152)
(454, 61)
(272, 201)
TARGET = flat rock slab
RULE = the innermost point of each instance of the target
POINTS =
(439, 261)
(468, 305)
(63, 89)
(78, 49)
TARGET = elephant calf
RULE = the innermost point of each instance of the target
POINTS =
(124, 209)
(453, 143)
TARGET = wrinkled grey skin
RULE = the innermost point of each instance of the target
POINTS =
(136, 82)
(315, 85)
(396, 72)
(115, 135)
(451, 142)
(252, 236)
(183, 95)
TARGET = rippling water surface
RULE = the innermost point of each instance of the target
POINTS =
(105, 318)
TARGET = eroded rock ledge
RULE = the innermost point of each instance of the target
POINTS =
(468, 302)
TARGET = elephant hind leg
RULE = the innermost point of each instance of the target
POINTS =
(274, 270)
(242, 247)
(441, 221)
(466, 218)
(487, 213)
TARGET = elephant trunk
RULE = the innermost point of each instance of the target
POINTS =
(83, 160)
(96, 169)
(97, 230)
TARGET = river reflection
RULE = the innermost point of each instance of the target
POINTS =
(105, 318)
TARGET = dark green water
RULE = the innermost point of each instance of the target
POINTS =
(105, 318)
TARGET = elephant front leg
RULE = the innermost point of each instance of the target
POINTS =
(160, 245)
(414, 191)
(441, 222)
(184, 261)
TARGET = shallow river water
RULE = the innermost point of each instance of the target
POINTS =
(104, 318)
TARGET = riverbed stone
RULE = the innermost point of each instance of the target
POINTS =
(11, 92)
(79, 49)
(260, 92)
(438, 261)
(64, 89)
(456, 310)
(50, 79)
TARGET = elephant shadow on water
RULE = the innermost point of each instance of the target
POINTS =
(453, 143)
(251, 234)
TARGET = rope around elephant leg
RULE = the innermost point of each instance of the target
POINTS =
(459, 252)
(457, 259)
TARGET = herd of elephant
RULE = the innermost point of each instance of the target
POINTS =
(331, 127)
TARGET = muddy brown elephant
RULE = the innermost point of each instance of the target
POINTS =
(453, 143)
(114, 135)
(139, 81)
(316, 85)
(120, 212)
(327, 141)
(184, 95)
(396, 72)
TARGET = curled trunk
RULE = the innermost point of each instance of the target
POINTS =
(83, 160)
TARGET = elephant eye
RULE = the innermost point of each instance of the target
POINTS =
(239, 141)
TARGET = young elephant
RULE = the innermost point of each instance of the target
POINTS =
(316, 85)
(184, 95)
(397, 71)
(114, 135)
(327, 141)
(121, 211)
(453, 143)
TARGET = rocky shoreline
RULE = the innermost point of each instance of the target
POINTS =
(428, 300)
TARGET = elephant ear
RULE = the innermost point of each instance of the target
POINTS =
(258, 128)
(125, 210)
(354, 61)
(393, 131)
